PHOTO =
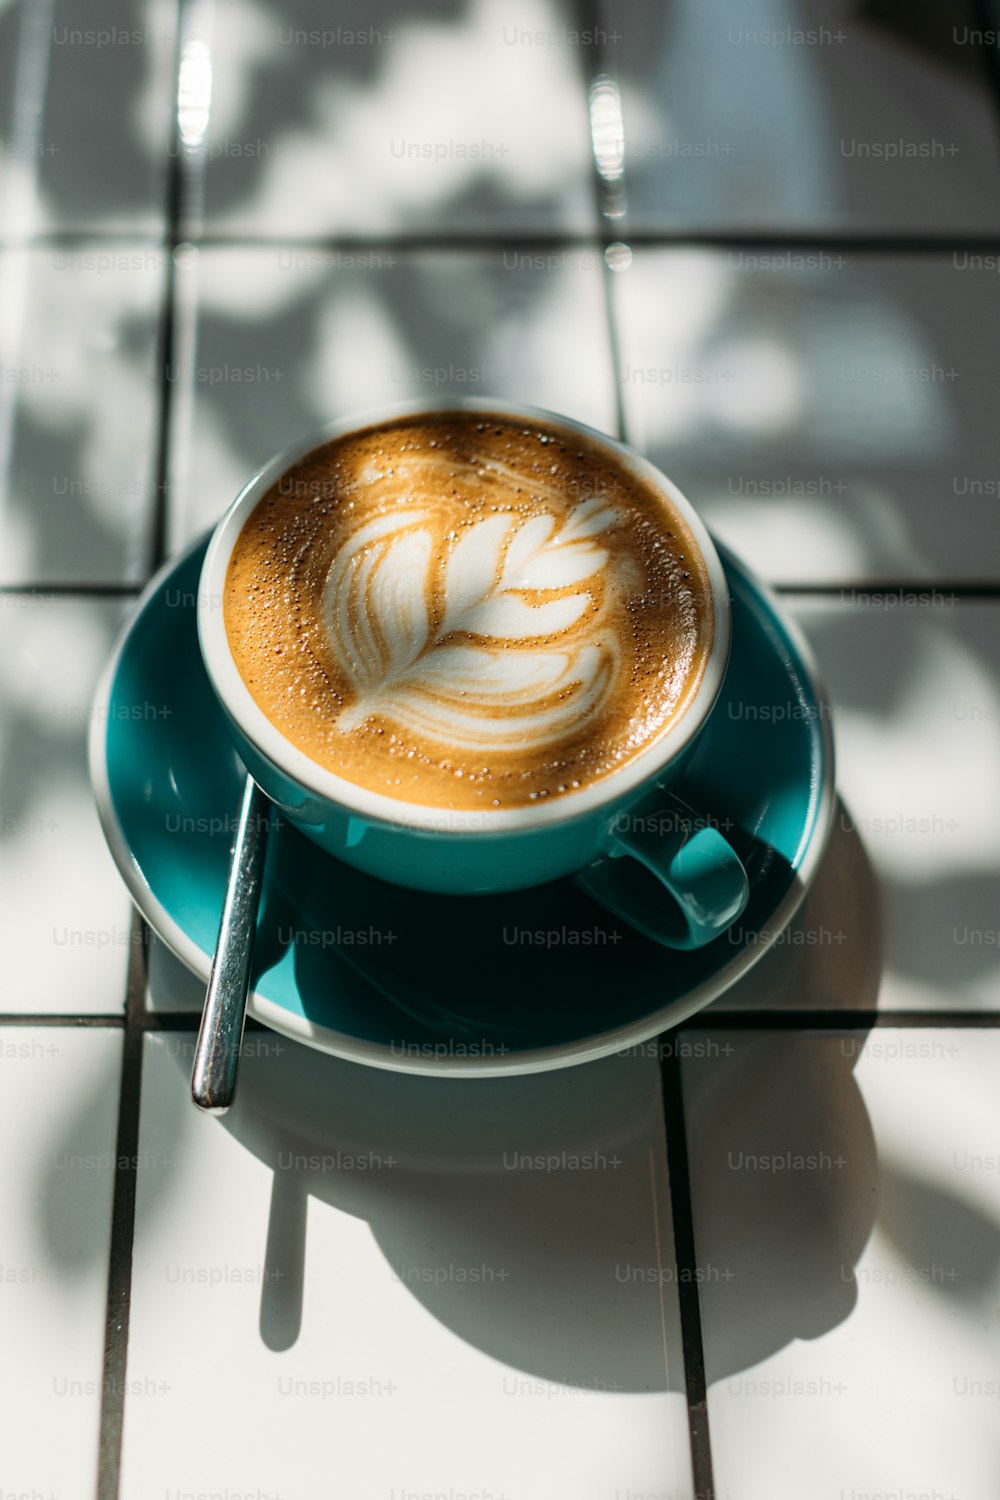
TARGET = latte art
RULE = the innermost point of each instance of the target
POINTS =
(465, 613)
(506, 583)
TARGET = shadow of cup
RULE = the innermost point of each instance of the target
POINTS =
(783, 1163)
(485, 1173)
(530, 1215)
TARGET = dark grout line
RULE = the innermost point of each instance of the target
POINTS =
(130, 1101)
(188, 1020)
(122, 1224)
(975, 592)
(73, 590)
(611, 233)
(713, 1018)
(78, 239)
(806, 241)
(176, 1020)
(685, 1256)
(457, 243)
(74, 1023)
(940, 591)
(840, 1020)
(142, 1019)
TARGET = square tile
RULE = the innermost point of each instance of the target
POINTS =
(376, 120)
(847, 1221)
(903, 914)
(86, 102)
(65, 916)
(396, 1269)
(59, 1103)
(916, 694)
(830, 415)
(170, 984)
(78, 412)
(810, 116)
(277, 341)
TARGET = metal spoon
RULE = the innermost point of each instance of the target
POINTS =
(217, 1051)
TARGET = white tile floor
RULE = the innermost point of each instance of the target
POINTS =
(378, 120)
(848, 1184)
(65, 918)
(362, 1276)
(78, 400)
(831, 414)
(918, 736)
(804, 115)
(277, 340)
(85, 115)
(835, 421)
(903, 915)
(59, 1102)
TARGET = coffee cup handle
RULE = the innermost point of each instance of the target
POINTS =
(700, 885)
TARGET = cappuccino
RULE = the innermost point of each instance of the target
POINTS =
(468, 612)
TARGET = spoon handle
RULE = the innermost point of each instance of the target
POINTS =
(217, 1051)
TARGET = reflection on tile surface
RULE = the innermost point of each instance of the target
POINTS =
(59, 1102)
(397, 1270)
(65, 917)
(805, 115)
(847, 1220)
(376, 118)
(288, 339)
(831, 416)
(85, 114)
(78, 331)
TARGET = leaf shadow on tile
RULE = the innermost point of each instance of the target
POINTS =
(45, 733)
(103, 169)
(36, 756)
(10, 19)
(73, 1235)
(294, 95)
(420, 306)
(948, 929)
(942, 927)
(270, 106)
(926, 27)
(84, 542)
(765, 141)
(833, 424)
(951, 1246)
(47, 831)
(77, 498)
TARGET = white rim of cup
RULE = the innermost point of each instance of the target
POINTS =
(294, 763)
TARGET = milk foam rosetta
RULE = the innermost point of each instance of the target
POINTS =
(464, 613)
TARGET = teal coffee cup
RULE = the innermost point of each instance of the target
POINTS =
(626, 838)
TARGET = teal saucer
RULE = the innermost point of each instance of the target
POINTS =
(463, 985)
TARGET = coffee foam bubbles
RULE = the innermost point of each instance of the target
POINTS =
(467, 614)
